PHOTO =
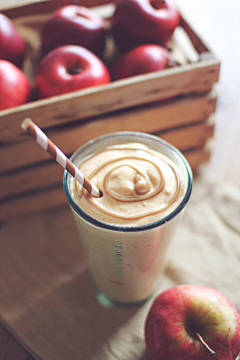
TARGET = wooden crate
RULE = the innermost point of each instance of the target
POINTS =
(176, 104)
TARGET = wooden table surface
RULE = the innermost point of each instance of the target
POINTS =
(219, 25)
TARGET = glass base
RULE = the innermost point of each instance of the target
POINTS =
(105, 301)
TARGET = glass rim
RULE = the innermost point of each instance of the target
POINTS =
(131, 228)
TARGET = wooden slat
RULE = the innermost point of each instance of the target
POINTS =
(189, 137)
(197, 157)
(30, 179)
(46, 174)
(31, 203)
(54, 196)
(150, 119)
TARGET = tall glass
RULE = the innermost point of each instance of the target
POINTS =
(126, 261)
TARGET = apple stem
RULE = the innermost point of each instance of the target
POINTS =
(75, 71)
(156, 4)
(211, 352)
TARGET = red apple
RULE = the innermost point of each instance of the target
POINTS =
(69, 68)
(137, 22)
(15, 87)
(140, 60)
(75, 25)
(189, 322)
(12, 44)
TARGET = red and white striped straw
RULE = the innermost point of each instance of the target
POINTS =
(29, 126)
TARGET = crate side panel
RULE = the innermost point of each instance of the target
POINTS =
(106, 99)
(50, 173)
(150, 119)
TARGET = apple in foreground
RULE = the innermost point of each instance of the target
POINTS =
(140, 60)
(137, 22)
(69, 68)
(13, 46)
(75, 25)
(189, 322)
(15, 88)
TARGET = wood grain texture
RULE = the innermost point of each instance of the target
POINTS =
(216, 23)
(152, 119)
(48, 173)
(117, 95)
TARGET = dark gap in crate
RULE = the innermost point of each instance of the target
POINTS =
(31, 192)
(21, 138)
(168, 130)
(29, 166)
(187, 150)
(192, 149)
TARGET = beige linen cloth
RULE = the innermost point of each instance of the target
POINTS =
(47, 298)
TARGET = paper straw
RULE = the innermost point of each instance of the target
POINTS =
(29, 126)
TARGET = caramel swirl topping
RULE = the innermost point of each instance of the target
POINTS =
(139, 185)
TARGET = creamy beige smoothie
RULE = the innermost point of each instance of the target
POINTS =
(139, 185)
(126, 233)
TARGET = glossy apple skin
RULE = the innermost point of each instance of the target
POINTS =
(179, 312)
(69, 68)
(12, 44)
(74, 25)
(137, 22)
(140, 60)
(15, 88)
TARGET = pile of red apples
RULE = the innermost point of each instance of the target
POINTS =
(73, 48)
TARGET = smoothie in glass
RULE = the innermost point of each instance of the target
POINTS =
(126, 233)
